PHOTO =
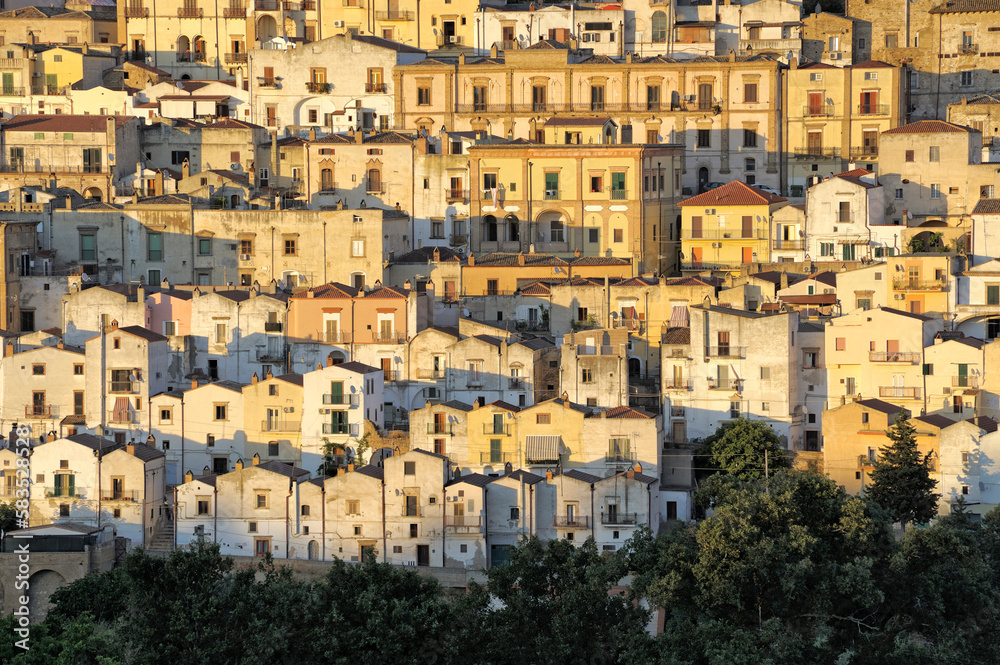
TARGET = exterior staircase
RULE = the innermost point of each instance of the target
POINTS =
(162, 543)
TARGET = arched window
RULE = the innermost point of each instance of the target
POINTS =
(489, 228)
(513, 228)
(659, 28)
(183, 49)
(199, 49)
(326, 180)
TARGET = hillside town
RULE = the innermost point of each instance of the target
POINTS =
(414, 282)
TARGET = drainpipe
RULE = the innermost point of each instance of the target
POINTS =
(322, 498)
(384, 553)
(593, 516)
(175, 517)
(183, 468)
(215, 517)
(531, 510)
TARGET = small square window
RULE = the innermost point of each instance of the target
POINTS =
(463, 548)
(38, 370)
(251, 527)
(78, 370)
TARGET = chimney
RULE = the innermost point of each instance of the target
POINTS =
(239, 465)
(628, 58)
(359, 136)
(185, 170)
(158, 187)
(576, 253)
(256, 459)
(50, 437)
(312, 133)
(194, 383)
(350, 467)
(188, 477)
(254, 379)
(520, 258)
(493, 50)
(270, 375)
(319, 366)
(329, 361)
(85, 49)
(461, 58)
(437, 254)
(784, 280)
(472, 259)
(130, 448)
(630, 474)
(548, 475)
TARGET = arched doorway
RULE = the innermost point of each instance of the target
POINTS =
(634, 367)
(702, 178)
(313, 550)
(337, 358)
(551, 226)
(513, 225)
(42, 584)
(199, 49)
(234, 201)
(183, 49)
(267, 28)
(93, 193)
(489, 228)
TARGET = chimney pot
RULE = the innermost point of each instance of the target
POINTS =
(130, 449)
(188, 477)
(256, 459)
(194, 383)
(239, 465)
(548, 475)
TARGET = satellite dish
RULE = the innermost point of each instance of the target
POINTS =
(909, 215)
(465, 312)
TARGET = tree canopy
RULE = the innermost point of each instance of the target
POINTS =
(743, 448)
(900, 479)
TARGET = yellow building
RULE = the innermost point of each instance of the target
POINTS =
(852, 435)
(433, 24)
(272, 417)
(726, 227)
(504, 273)
(835, 116)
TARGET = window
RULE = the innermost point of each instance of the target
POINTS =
(841, 343)
(619, 235)
(552, 185)
(251, 527)
(934, 154)
(557, 231)
(409, 468)
(352, 507)
(909, 155)
(203, 504)
(659, 27)
(890, 40)
(289, 247)
(210, 440)
(965, 78)
(88, 247)
(935, 190)
(423, 95)
(220, 333)
(38, 370)
(750, 93)
(899, 193)
(543, 419)
(204, 246)
(586, 376)
(704, 138)
(273, 449)
(78, 370)
(221, 412)
(596, 183)
(357, 248)
(810, 359)
(166, 415)
(765, 373)
(260, 500)
(749, 138)
(154, 246)
(816, 77)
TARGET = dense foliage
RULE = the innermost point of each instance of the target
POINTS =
(743, 448)
(901, 478)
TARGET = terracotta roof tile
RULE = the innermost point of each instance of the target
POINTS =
(964, 6)
(987, 207)
(628, 412)
(929, 127)
(62, 123)
(733, 193)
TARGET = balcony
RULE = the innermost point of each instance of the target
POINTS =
(571, 522)
(431, 373)
(865, 462)
(234, 12)
(356, 4)
(517, 384)
(474, 381)
(136, 12)
(873, 109)
(339, 428)
(677, 384)
(45, 89)
(906, 357)
(462, 521)
(375, 87)
(619, 194)
(41, 410)
(394, 15)
(812, 110)
(272, 355)
(551, 194)
(190, 12)
(449, 40)
(496, 458)
(388, 338)
(979, 310)
(623, 519)
(967, 49)
(458, 239)
(816, 151)
(677, 412)
(727, 384)
(336, 337)
(788, 244)
(456, 195)
(780, 45)
(280, 426)
(625, 458)
(137, 55)
(132, 496)
(267, 5)
(443, 429)
(507, 45)
(899, 392)
(123, 417)
(121, 387)
(375, 188)
(67, 492)
(722, 234)
(272, 326)
(726, 351)
(491, 429)
(309, 6)
(860, 152)
(965, 382)
(343, 399)
(235, 58)
(906, 284)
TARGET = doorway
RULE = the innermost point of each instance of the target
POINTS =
(423, 555)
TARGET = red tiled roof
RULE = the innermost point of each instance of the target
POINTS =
(230, 123)
(735, 193)
(331, 290)
(929, 127)
(853, 173)
(62, 123)
(624, 412)
(963, 6)
(536, 289)
(871, 64)
(987, 207)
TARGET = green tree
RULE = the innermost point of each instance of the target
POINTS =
(743, 448)
(901, 480)
(551, 603)
(8, 517)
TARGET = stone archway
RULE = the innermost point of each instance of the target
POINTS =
(43, 584)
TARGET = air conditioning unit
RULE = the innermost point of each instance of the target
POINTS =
(338, 24)
(452, 39)
(899, 296)
(244, 257)
(947, 391)
(836, 55)
(289, 409)
(324, 412)
(716, 245)
(451, 499)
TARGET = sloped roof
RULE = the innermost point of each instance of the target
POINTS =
(733, 193)
(929, 127)
(477, 479)
(358, 368)
(987, 207)
(966, 6)
(600, 261)
(984, 99)
(371, 471)
(871, 64)
(677, 336)
(331, 290)
(426, 255)
(144, 333)
(936, 420)
(879, 405)
(557, 121)
(457, 405)
(294, 379)
(624, 412)
(548, 45)
(386, 43)
(62, 123)
(505, 260)
(282, 468)
(985, 423)
(525, 476)
(581, 476)
(919, 317)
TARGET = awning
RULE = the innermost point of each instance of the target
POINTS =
(542, 448)
(120, 414)
(679, 317)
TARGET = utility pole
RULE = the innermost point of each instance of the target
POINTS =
(766, 474)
